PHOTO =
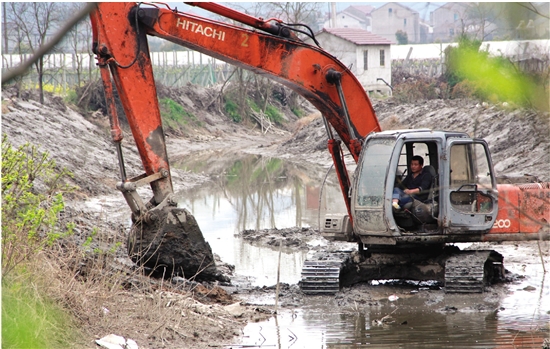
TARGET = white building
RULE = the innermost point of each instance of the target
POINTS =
(355, 16)
(367, 55)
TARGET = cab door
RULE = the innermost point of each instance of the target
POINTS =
(472, 200)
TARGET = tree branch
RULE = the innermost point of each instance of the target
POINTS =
(533, 9)
(46, 47)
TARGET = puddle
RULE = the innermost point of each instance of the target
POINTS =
(424, 319)
(254, 192)
(333, 327)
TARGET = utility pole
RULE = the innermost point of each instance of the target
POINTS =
(5, 29)
(333, 15)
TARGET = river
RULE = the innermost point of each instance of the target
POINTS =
(253, 192)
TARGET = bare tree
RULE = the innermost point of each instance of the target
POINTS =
(296, 12)
(34, 21)
(480, 17)
(5, 28)
(78, 39)
(305, 13)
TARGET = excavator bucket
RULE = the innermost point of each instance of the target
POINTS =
(169, 241)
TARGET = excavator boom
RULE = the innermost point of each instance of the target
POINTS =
(462, 205)
(120, 43)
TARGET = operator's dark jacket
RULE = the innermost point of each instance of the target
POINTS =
(423, 181)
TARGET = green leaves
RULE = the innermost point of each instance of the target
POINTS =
(32, 198)
(493, 79)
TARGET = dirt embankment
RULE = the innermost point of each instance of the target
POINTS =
(81, 143)
(152, 312)
(518, 138)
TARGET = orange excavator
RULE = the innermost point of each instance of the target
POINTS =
(464, 203)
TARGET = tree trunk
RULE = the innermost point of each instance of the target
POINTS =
(40, 79)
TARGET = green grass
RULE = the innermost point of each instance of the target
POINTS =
(29, 320)
(298, 112)
(253, 105)
(174, 115)
(232, 109)
(274, 114)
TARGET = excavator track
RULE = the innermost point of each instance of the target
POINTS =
(471, 271)
(321, 273)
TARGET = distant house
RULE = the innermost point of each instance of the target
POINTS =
(533, 26)
(448, 21)
(355, 16)
(391, 17)
(453, 19)
(367, 55)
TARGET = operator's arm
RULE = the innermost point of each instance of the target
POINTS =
(416, 185)
(421, 183)
(406, 183)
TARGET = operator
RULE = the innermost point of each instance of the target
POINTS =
(415, 185)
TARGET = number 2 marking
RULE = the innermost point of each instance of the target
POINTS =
(245, 40)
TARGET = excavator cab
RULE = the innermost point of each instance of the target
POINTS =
(472, 200)
(461, 200)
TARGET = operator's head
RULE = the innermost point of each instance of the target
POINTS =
(416, 163)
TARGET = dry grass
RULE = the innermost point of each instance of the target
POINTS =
(104, 297)
(392, 123)
(303, 122)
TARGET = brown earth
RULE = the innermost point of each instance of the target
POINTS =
(163, 314)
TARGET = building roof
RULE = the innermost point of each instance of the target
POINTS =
(395, 4)
(451, 6)
(357, 36)
(365, 9)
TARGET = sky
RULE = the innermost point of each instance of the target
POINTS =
(423, 8)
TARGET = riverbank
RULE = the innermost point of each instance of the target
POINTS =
(158, 313)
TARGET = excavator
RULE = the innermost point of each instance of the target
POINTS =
(465, 203)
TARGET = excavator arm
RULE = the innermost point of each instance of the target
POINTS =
(120, 43)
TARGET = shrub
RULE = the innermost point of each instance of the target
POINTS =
(71, 97)
(401, 37)
(493, 79)
(414, 91)
(464, 89)
(32, 198)
(274, 114)
(232, 109)
(253, 105)
(29, 215)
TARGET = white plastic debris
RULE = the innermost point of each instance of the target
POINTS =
(393, 298)
(113, 341)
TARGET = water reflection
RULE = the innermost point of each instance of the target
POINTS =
(255, 192)
(323, 324)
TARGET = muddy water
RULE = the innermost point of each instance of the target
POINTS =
(419, 318)
(252, 192)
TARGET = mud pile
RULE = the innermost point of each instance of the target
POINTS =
(518, 138)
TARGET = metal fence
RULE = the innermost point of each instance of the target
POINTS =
(176, 68)
(179, 68)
